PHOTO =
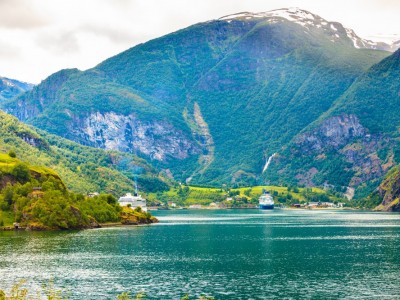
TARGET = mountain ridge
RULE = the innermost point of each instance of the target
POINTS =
(10, 88)
(306, 19)
(257, 82)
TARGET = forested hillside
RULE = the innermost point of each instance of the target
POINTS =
(208, 103)
(83, 169)
(389, 191)
(356, 142)
(35, 197)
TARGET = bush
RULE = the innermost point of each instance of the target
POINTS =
(21, 172)
(12, 154)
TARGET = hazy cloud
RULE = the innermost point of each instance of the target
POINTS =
(8, 51)
(38, 37)
(20, 14)
(115, 35)
(59, 43)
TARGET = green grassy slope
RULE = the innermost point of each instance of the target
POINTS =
(375, 97)
(188, 195)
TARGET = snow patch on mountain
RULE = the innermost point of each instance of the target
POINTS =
(9, 88)
(296, 15)
(334, 30)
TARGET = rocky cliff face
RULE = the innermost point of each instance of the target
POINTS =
(33, 140)
(340, 149)
(352, 141)
(158, 140)
(389, 190)
(334, 132)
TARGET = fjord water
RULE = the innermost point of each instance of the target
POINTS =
(230, 254)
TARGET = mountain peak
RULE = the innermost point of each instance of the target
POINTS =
(291, 14)
(334, 30)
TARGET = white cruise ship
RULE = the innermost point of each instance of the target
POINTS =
(133, 201)
(266, 201)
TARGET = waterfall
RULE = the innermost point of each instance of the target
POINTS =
(136, 188)
(268, 162)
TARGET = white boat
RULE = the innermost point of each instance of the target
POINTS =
(266, 201)
(134, 200)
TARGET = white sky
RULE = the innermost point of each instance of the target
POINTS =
(40, 37)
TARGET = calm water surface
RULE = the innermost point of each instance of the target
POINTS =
(230, 254)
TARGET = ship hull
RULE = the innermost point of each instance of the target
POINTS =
(266, 206)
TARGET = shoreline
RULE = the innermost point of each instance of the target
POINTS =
(104, 225)
(257, 208)
(118, 224)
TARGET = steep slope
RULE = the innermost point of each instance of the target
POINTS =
(10, 88)
(37, 199)
(83, 169)
(357, 141)
(208, 103)
(389, 191)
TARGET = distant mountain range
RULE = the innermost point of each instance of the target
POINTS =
(9, 88)
(209, 104)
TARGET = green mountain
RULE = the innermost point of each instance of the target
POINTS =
(10, 88)
(211, 102)
(82, 169)
(356, 141)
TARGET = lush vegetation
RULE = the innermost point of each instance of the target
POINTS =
(257, 85)
(243, 197)
(82, 169)
(36, 198)
(388, 193)
(375, 97)
(361, 161)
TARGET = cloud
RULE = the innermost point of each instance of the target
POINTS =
(9, 51)
(38, 37)
(20, 14)
(59, 42)
(115, 35)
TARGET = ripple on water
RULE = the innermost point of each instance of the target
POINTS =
(228, 254)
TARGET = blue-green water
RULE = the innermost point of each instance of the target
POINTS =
(230, 254)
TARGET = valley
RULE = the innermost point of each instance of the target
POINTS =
(207, 104)
(199, 150)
